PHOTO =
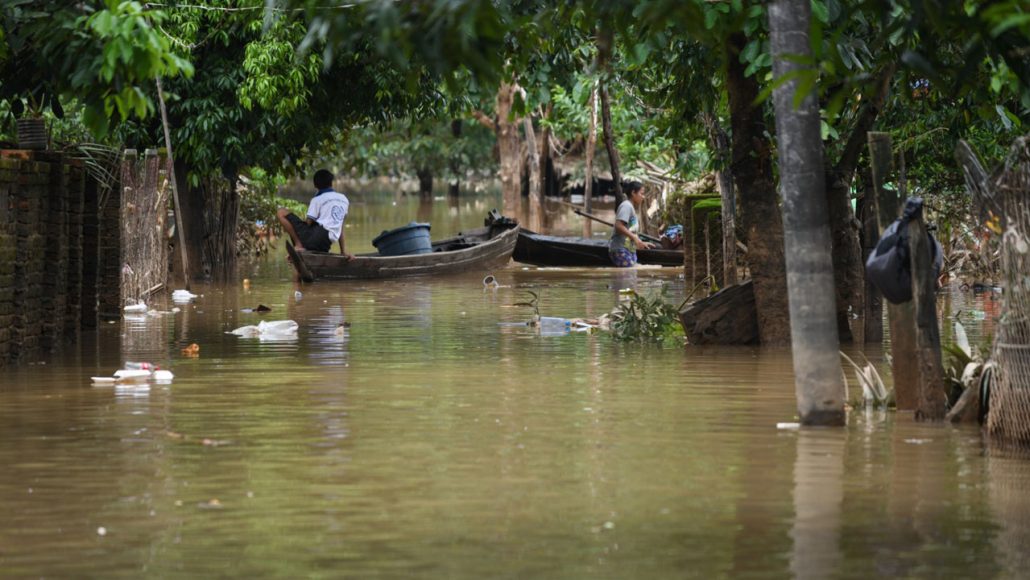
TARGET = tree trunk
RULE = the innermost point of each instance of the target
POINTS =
(545, 159)
(759, 211)
(609, 144)
(425, 181)
(847, 254)
(190, 217)
(533, 160)
(588, 178)
(818, 381)
(455, 186)
(223, 250)
(724, 178)
(510, 150)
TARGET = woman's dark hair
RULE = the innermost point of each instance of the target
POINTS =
(323, 179)
(632, 187)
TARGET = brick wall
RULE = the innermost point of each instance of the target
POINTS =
(51, 235)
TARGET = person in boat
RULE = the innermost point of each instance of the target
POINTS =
(624, 243)
(325, 217)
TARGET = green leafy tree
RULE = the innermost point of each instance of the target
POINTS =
(103, 55)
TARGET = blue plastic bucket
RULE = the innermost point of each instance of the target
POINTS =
(410, 239)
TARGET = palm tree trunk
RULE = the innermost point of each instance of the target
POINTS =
(817, 374)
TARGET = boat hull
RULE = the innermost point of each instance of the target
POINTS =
(541, 250)
(474, 250)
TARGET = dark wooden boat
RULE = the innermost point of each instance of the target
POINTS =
(540, 250)
(478, 249)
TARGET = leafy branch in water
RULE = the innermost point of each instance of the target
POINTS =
(646, 318)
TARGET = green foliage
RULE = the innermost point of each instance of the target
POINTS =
(104, 55)
(259, 203)
(646, 318)
(404, 146)
(277, 79)
(254, 102)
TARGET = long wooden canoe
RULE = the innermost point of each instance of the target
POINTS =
(478, 249)
(540, 250)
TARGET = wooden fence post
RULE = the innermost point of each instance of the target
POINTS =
(932, 396)
(901, 317)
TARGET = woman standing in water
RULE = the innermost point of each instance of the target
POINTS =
(622, 249)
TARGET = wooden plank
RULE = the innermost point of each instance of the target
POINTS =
(727, 317)
(901, 317)
(932, 394)
(872, 299)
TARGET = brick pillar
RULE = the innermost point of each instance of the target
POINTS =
(53, 217)
(29, 267)
(9, 169)
(73, 235)
(90, 253)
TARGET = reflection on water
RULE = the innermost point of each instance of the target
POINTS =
(436, 437)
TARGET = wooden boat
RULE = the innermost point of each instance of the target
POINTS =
(474, 250)
(541, 250)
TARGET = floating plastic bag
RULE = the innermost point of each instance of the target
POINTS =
(270, 329)
(278, 327)
(182, 296)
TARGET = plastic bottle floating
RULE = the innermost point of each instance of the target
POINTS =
(137, 307)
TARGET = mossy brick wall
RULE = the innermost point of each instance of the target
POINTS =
(43, 253)
(9, 169)
(109, 282)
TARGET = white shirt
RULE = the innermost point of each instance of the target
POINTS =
(329, 209)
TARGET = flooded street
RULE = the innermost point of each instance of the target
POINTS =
(434, 438)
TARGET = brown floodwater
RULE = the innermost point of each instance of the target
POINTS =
(437, 438)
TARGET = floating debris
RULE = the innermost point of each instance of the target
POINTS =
(272, 329)
(182, 296)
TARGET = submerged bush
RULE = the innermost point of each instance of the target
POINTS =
(646, 318)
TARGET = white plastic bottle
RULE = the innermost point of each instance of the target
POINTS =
(554, 324)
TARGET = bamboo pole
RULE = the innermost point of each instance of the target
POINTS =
(180, 230)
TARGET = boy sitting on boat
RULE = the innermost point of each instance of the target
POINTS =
(325, 217)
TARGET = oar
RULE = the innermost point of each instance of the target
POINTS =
(644, 237)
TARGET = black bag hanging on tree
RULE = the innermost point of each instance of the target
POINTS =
(889, 267)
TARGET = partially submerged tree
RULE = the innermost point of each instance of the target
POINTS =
(817, 374)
